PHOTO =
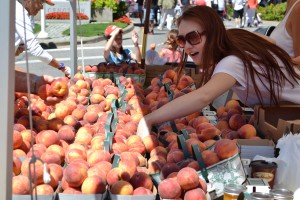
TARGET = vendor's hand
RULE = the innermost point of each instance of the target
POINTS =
(144, 128)
(67, 71)
(19, 50)
(135, 37)
(46, 79)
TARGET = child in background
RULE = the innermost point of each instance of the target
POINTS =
(114, 51)
(171, 54)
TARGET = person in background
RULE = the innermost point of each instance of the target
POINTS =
(258, 71)
(140, 10)
(221, 8)
(252, 6)
(171, 54)
(114, 51)
(27, 40)
(184, 4)
(167, 12)
(151, 16)
(238, 12)
(287, 33)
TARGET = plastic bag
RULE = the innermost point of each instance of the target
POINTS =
(289, 158)
(288, 162)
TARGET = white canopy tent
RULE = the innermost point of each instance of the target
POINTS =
(7, 57)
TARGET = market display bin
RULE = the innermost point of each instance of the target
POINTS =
(28, 197)
(274, 121)
(82, 196)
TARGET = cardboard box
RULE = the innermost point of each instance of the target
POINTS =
(250, 148)
(274, 121)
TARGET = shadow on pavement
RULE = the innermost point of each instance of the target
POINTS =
(50, 45)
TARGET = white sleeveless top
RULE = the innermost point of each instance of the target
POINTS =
(282, 37)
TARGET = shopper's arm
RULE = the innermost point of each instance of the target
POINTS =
(187, 104)
(294, 28)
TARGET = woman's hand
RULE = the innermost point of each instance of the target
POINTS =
(144, 128)
(135, 37)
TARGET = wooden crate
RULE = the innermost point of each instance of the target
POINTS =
(153, 71)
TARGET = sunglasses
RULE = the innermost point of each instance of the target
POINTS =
(193, 38)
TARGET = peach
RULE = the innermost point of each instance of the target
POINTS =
(188, 178)
(209, 134)
(119, 147)
(192, 141)
(132, 139)
(58, 150)
(167, 169)
(19, 153)
(75, 173)
(93, 185)
(231, 135)
(196, 193)
(210, 157)
(19, 127)
(51, 157)
(41, 125)
(61, 111)
(75, 154)
(209, 143)
(175, 156)
(122, 188)
(20, 185)
(47, 137)
(96, 156)
(220, 110)
(79, 112)
(90, 116)
(44, 91)
(67, 133)
(203, 126)
(84, 136)
(230, 113)
(247, 131)
(43, 189)
(116, 174)
(105, 166)
(17, 163)
(150, 142)
(38, 173)
(142, 191)
(159, 151)
(17, 139)
(137, 147)
(199, 120)
(231, 104)
(226, 148)
(169, 189)
(97, 142)
(55, 124)
(56, 174)
(222, 124)
(141, 179)
(193, 164)
(236, 121)
(128, 166)
(142, 161)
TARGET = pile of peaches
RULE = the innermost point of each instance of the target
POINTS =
(103, 67)
(69, 138)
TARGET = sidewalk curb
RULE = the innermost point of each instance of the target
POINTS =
(85, 40)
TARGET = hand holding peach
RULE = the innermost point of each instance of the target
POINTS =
(50, 89)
